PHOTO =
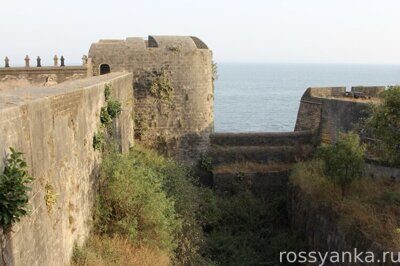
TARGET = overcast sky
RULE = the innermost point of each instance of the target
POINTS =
(299, 31)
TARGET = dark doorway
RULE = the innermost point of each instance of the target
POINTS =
(104, 69)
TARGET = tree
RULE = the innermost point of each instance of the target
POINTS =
(344, 160)
(384, 126)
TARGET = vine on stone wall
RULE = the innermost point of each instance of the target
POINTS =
(159, 85)
(214, 68)
(174, 48)
(141, 126)
(108, 113)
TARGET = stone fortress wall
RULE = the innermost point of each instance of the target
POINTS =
(330, 110)
(54, 127)
(180, 126)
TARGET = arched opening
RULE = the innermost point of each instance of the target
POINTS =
(104, 69)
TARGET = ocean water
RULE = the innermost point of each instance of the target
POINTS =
(266, 97)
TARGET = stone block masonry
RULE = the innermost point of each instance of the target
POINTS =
(329, 111)
(54, 128)
(182, 126)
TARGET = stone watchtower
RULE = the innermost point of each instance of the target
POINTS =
(172, 86)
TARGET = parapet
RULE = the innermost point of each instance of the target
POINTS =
(171, 43)
(370, 91)
(356, 92)
(325, 92)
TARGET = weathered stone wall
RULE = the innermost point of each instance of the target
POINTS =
(54, 127)
(327, 111)
(41, 75)
(376, 170)
(261, 161)
(181, 128)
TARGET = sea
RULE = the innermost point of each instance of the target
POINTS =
(253, 97)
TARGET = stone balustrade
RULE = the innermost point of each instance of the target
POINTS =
(39, 61)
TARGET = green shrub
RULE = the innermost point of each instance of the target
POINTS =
(107, 92)
(206, 162)
(344, 160)
(114, 108)
(105, 117)
(14, 188)
(98, 140)
(384, 125)
(153, 201)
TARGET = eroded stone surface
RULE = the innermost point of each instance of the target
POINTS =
(54, 128)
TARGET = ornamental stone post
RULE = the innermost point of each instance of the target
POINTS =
(62, 59)
(84, 60)
(38, 61)
(27, 61)
(55, 60)
(6, 62)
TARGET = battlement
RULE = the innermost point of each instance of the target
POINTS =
(364, 92)
(168, 43)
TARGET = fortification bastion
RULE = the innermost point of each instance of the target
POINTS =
(173, 88)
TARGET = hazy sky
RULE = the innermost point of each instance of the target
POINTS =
(312, 31)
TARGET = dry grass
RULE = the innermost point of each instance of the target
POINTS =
(250, 167)
(107, 251)
(370, 210)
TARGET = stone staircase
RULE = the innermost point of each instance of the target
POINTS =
(261, 161)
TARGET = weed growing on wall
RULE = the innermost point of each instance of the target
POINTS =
(107, 92)
(50, 197)
(98, 141)
(14, 189)
(161, 87)
(214, 68)
(158, 83)
(114, 108)
(105, 117)
(107, 114)
(141, 126)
